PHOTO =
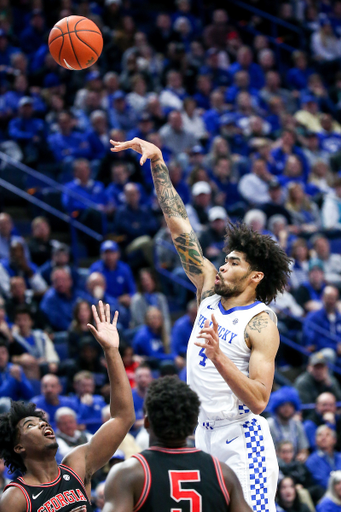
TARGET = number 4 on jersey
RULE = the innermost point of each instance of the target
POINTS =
(176, 478)
(204, 357)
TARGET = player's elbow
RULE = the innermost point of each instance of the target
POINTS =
(258, 407)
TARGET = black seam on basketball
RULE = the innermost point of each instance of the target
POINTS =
(60, 50)
(57, 36)
(87, 45)
(73, 31)
(67, 24)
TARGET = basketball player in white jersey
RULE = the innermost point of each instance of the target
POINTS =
(232, 348)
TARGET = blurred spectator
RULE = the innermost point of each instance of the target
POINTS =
(51, 398)
(192, 119)
(119, 278)
(27, 131)
(176, 176)
(143, 378)
(68, 144)
(331, 501)
(13, 382)
(97, 288)
(18, 265)
(144, 128)
(312, 150)
(325, 413)
(216, 64)
(172, 96)
(316, 380)
(99, 497)
(309, 114)
(216, 33)
(244, 61)
(324, 44)
(322, 328)
(331, 261)
(39, 244)
(182, 329)
(256, 220)
(151, 340)
(212, 240)
(98, 135)
(272, 89)
(212, 116)
(309, 293)
(175, 136)
(288, 498)
(31, 348)
(275, 205)
(68, 436)
(258, 179)
(331, 216)
(203, 91)
(162, 33)
(146, 296)
(120, 176)
(89, 405)
(129, 361)
(7, 234)
(227, 189)
(20, 296)
(284, 403)
(197, 210)
(60, 258)
(59, 300)
(321, 179)
(297, 76)
(6, 49)
(304, 212)
(285, 147)
(300, 269)
(296, 469)
(325, 459)
(78, 330)
(134, 221)
(3, 478)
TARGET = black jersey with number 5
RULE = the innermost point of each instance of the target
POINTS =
(64, 494)
(181, 480)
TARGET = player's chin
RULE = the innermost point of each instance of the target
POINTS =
(53, 445)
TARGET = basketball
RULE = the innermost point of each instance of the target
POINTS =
(75, 42)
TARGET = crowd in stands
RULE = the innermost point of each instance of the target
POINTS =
(250, 132)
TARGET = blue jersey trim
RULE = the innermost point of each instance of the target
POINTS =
(237, 308)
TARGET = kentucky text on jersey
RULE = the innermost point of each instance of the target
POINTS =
(223, 333)
(61, 500)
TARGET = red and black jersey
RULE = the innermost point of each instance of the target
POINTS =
(181, 480)
(65, 494)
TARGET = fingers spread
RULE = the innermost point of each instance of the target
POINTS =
(95, 314)
(215, 323)
(114, 322)
(101, 311)
(107, 313)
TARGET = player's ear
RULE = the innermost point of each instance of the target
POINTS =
(146, 422)
(19, 449)
(257, 277)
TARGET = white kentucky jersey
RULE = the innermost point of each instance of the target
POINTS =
(217, 399)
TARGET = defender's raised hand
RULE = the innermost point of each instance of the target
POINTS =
(146, 149)
(105, 331)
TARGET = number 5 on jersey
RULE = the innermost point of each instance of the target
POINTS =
(176, 478)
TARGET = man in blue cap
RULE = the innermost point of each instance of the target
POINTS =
(120, 115)
(119, 278)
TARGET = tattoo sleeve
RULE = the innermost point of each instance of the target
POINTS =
(190, 252)
(170, 201)
(259, 323)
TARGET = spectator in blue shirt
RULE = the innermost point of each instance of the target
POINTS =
(13, 383)
(297, 77)
(114, 192)
(59, 300)
(60, 258)
(6, 50)
(241, 82)
(51, 398)
(182, 330)
(212, 116)
(120, 115)
(68, 144)
(143, 379)
(20, 90)
(220, 77)
(325, 413)
(87, 403)
(133, 219)
(331, 501)
(7, 234)
(244, 62)
(119, 278)
(34, 36)
(322, 328)
(286, 148)
(149, 340)
(98, 135)
(324, 460)
(309, 293)
(27, 130)
(144, 128)
(203, 91)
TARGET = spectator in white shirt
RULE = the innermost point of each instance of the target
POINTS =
(324, 44)
(331, 209)
(254, 186)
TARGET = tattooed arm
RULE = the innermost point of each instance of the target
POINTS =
(198, 269)
(261, 336)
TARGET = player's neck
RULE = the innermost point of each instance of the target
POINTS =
(161, 443)
(40, 472)
(246, 298)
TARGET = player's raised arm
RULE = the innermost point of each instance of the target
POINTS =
(198, 269)
(88, 458)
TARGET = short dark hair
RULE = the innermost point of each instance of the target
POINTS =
(9, 433)
(264, 255)
(172, 408)
(22, 310)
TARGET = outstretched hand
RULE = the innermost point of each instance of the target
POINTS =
(209, 335)
(105, 332)
(146, 149)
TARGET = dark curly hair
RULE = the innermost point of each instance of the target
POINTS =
(9, 433)
(264, 255)
(172, 408)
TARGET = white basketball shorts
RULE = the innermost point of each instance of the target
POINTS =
(246, 446)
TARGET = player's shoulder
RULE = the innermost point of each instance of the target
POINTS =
(13, 499)
(130, 471)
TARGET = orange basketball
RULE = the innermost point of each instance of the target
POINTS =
(75, 42)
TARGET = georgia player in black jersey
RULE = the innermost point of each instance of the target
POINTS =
(169, 475)
(28, 443)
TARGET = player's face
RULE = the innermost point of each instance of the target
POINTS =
(232, 277)
(35, 435)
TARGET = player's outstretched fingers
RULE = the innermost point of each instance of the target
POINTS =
(101, 311)
(95, 314)
(215, 323)
(114, 320)
(107, 313)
